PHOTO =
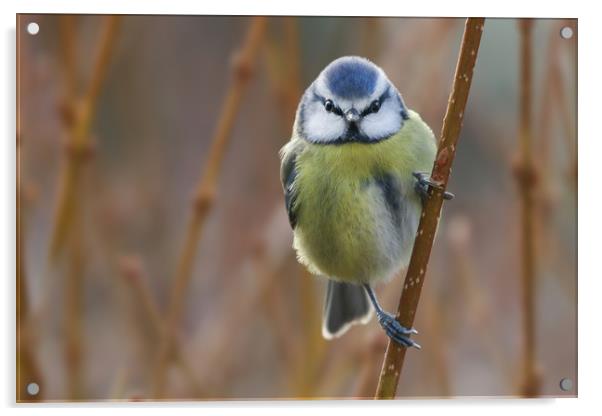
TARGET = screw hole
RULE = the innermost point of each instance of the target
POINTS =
(33, 389)
(33, 28)
(566, 384)
(566, 32)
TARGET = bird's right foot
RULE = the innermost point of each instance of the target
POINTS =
(397, 332)
(394, 330)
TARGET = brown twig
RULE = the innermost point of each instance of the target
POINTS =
(206, 189)
(68, 221)
(78, 119)
(133, 271)
(526, 179)
(68, 35)
(452, 124)
(283, 55)
(27, 367)
(74, 308)
(312, 349)
(28, 370)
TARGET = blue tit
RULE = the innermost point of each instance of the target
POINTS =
(353, 186)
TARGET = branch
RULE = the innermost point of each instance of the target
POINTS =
(282, 56)
(526, 180)
(205, 191)
(74, 310)
(69, 216)
(452, 124)
(136, 276)
(28, 369)
(78, 120)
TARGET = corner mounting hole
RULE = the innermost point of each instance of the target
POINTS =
(33, 28)
(566, 32)
(33, 389)
(566, 384)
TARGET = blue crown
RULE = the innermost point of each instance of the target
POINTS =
(351, 77)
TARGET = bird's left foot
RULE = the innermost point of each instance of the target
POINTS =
(424, 183)
(396, 331)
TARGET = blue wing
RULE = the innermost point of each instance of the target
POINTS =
(290, 196)
(288, 173)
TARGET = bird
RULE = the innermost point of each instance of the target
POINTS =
(354, 177)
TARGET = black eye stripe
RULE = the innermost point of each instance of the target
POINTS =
(379, 100)
(370, 109)
(335, 109)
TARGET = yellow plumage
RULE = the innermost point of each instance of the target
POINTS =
(346, 227)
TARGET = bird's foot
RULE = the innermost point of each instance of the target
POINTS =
(396, 331)
(424, 183)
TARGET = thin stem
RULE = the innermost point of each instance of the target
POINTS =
(79, 121)
(206, 189)
(526, 179)
(311, 353)
(74, 309)
(452, 124)
(68, 51)
(135, 275)
(27, 367)
(68, 221)
(283, 56)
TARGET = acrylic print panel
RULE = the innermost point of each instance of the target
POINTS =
(155, 253)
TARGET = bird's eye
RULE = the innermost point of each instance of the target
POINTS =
(328, 105)
(375, 106)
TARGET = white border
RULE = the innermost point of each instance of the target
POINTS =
(590, 160)
(508, 8)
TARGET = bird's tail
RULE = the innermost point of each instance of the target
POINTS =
(346, 304)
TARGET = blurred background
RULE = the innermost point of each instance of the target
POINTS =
(154, 250)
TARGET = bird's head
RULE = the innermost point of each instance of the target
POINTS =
(352, 100)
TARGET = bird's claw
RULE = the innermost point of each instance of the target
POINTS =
(396, 331)
(424, 182)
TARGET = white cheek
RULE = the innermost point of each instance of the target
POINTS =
(322, 126)
(382, 124)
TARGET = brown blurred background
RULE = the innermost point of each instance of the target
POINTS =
(136, 282)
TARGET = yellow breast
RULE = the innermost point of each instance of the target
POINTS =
(343, 227)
